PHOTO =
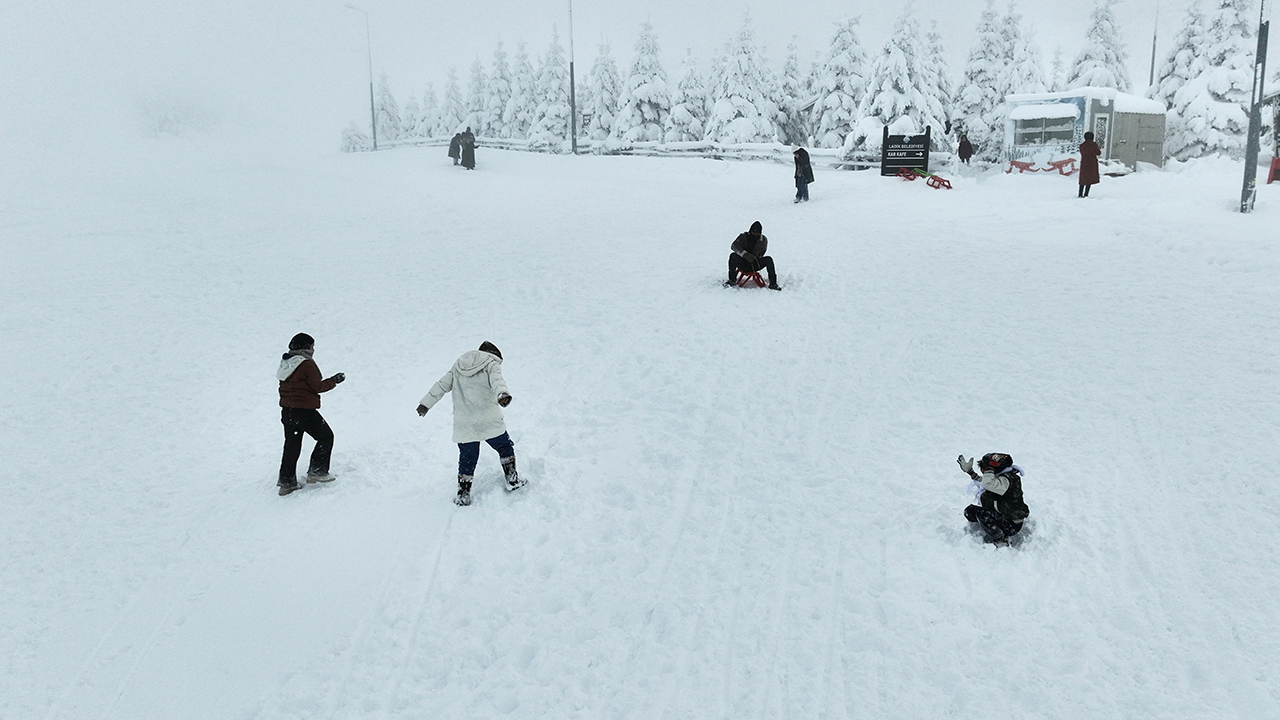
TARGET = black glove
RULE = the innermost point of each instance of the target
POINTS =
(504, 399)
(422, 410)
(337, 379)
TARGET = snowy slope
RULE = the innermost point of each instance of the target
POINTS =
(742, 503)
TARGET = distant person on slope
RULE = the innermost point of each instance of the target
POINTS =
(300, 388)
(455, 147)
(1089, 176)
(804, 174)
(468, 150)
(1002, 511)
(748, 256)
(479, 394)
(966, 149)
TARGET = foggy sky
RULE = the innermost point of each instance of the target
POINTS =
(298, 67)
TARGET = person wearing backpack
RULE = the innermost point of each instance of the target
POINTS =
(1002, 510)
(479, 394)
(803, 174)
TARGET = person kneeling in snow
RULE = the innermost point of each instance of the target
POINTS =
(479, 394)
(1002, 510)
(748, 256)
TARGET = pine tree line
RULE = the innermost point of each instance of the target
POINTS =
(844, 97)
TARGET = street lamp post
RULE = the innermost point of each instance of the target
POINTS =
(1252, 148)
(373, 114)
(573, 90)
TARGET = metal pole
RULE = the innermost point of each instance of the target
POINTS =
(1250, 189)
(1151, 80)
(573, 89)
(368, 44)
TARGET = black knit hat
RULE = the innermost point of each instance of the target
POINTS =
(995, 462)
(301, 341)
(489, 347)
(756, 227)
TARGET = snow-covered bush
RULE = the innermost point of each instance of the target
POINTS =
(353, 140)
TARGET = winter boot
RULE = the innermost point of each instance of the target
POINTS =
(320, 477)
(464, 490)
(286, 489)
(514, 481)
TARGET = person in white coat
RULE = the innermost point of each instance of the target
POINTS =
(479, 394)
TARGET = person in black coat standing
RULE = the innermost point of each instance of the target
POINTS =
(468, 150)
(966, 149)
(455, 147)
(804, 174)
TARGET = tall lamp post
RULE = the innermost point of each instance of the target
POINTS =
(368, 44)
(1255, 114)
(573, 90)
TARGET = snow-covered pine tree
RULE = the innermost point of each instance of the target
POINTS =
(477, 97)
(353, 140)
(840, 86)
(1181, 63)
(550, 128)
(1212, 107)
(978, 106)
(606, 86)
(430, 121)
(687, 120)
(645, 101)
(499, 92)
(453, 113)
(517, 118)
(411, 117)
(1102, 61)
(390, 125)
(1022, 72)
(896, 81)
(1057, 72)
(938, 85)
(744, 108)
(794, 96)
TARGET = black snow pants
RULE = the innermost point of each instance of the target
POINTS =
(995, 526)
(297, 421)
(737, 264)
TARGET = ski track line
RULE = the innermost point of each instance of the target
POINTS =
(425, 599)
(643, 648)
(245, 502)
(835, 624)
(361, 636)
(781, 604)
(673, 694)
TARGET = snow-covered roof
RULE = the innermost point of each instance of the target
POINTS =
(1123, 102)
(1036, 111)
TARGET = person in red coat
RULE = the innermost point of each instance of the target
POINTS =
(1089, 152)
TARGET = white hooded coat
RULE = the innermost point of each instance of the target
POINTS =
(476, 382)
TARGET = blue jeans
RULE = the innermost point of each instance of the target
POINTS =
(802, 189)
(469, 453)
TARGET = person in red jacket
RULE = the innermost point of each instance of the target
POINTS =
(1089, 152)
(300, 388)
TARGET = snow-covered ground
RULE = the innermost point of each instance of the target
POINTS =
(743, 504)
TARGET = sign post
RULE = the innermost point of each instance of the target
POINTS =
(1255, 116)
(904, 151)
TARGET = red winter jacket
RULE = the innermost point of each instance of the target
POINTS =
(301, 383)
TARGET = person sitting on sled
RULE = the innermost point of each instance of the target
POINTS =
(1002, 511)
(748, 256)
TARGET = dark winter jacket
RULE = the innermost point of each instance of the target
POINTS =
(468, 150)
(1089, 152)
(301, 383)
(804, 171)
(455, 146)
(1002, 493)
(751, 248)
(966, 149)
